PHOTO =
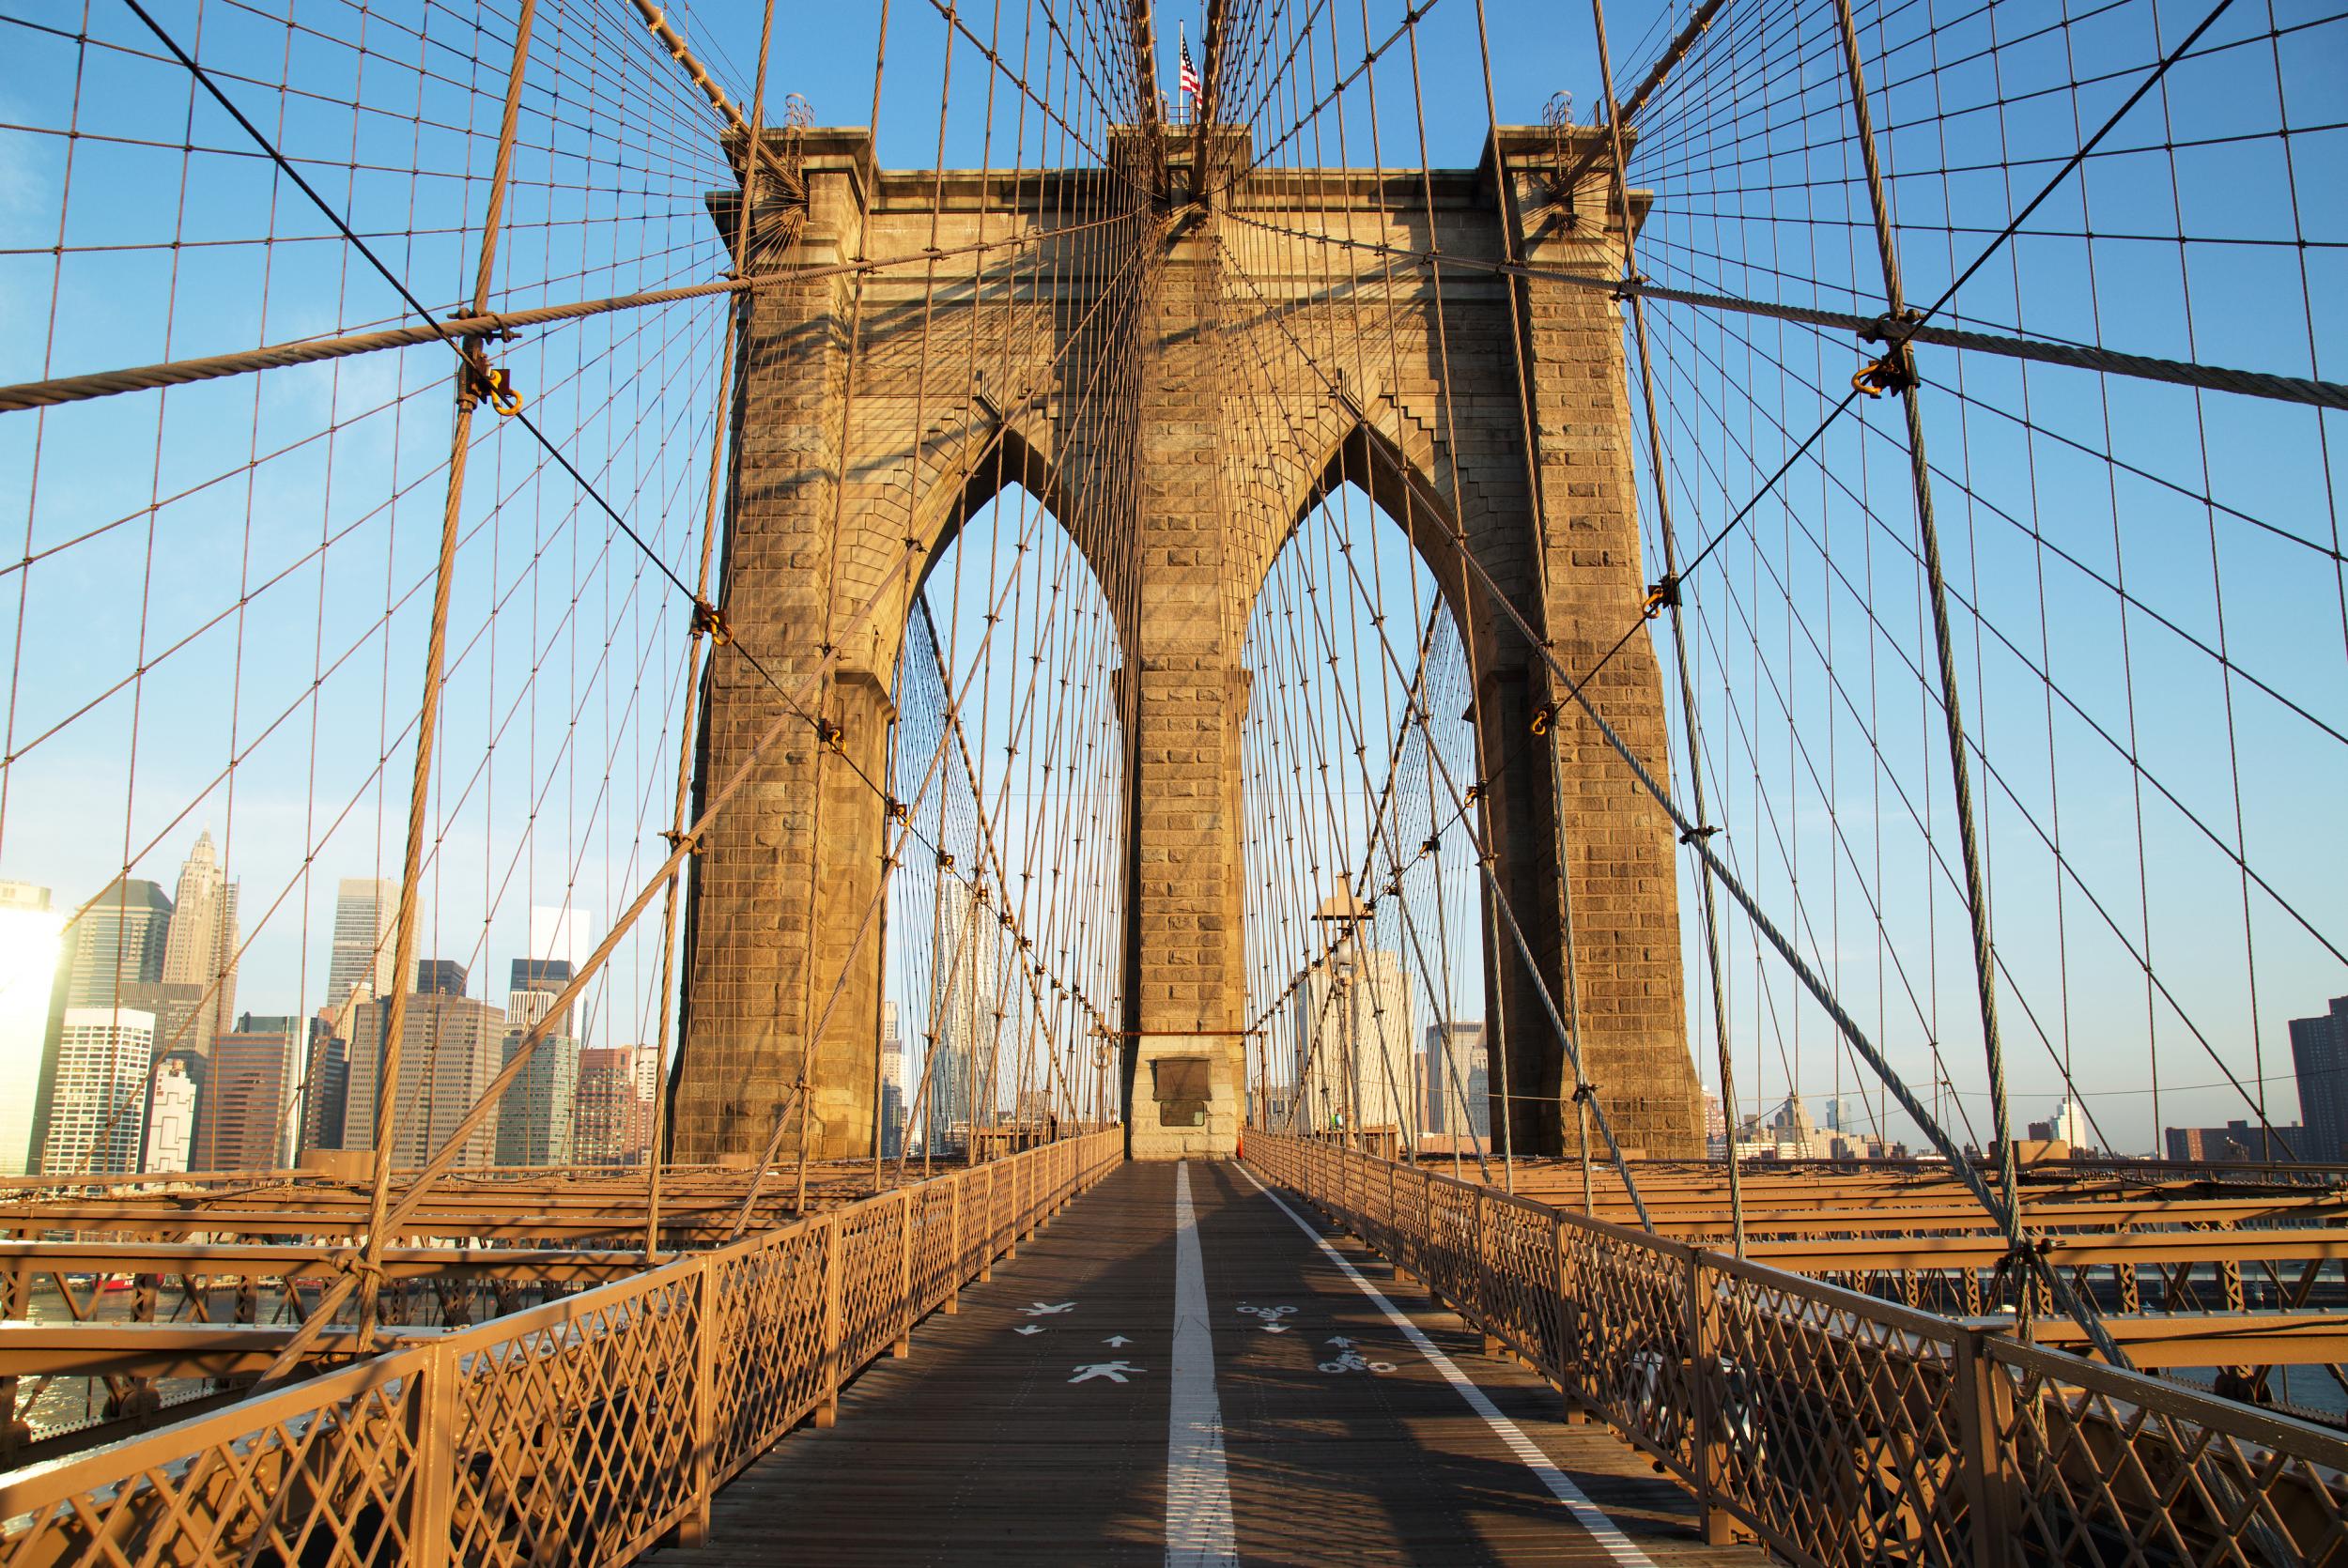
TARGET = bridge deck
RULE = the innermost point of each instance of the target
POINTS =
(993, 1443)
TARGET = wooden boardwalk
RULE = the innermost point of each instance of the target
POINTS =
(1021, 1430)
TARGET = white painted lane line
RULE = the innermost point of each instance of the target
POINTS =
(1197, 1486)
(1602, 1530)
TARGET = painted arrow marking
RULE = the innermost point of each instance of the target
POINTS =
(1039, 1310)
(1028, 1328)
(1114, 1370)
(1116, 1340)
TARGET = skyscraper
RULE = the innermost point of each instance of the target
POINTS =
(2319, 1060)
(118, 940)
(453, 1047)
(893, 1095)
(439, 977)
(1356, 1042)
(98, 1106)
(560, 934)
(536, 1118)
(30, 942)
(968, 1001)
(247, 1118)
(201, 947)
(173, 1093)
(545, 979)
(612, 1117)
(115, 947)
(1459, 1082)
(325, 1090)
(365, 911)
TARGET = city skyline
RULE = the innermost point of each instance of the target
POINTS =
(122, 1048)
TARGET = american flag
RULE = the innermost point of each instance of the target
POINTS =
(1190, 72)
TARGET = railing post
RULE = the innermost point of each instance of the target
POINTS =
(693, 1530)
(1571, 1360)
(954, 1255)
(431, 1501)
(904, 1347)
(827, 1409)
(1706, 1447)
(1482, 1278)
(986, 1241)
(1984, 1476)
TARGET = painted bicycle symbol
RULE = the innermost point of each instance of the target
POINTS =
(1350, 1359)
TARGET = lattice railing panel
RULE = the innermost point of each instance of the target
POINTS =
(2108, 1470)
(1629, 1306)
(319, 1474)
(872, 1293)
(1520, 1261)
(1838, 1427)
(576, 1431)
(933, 1272)
(769, 1319)
(582, 1428)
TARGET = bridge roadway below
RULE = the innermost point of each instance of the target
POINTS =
(1071, 1411)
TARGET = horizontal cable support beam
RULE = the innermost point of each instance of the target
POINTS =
(1877, 329)
(496, 324)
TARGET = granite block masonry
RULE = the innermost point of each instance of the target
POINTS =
(1141, 374)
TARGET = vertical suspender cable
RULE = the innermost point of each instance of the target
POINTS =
(742, 309)
(1900, 362)
(1679, 637)
(428, 715)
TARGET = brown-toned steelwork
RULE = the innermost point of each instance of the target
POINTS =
(1842, 1428)
(587, 1427)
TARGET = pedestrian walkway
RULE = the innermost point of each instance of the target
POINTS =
(1180, 1372)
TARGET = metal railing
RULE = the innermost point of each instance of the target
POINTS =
(1836, 1427)
(579, 1432)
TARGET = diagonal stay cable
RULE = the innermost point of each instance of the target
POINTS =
(474, 362)
(1897, 337)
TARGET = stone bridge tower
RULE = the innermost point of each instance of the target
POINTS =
(1165, 411)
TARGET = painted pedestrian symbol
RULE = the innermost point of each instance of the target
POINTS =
(1114, 1370)
(1350, 1359)
(1041, 1309)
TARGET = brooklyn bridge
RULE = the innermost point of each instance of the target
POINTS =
(1094, 781)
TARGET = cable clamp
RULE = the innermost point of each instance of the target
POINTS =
(1432, 845)
(1626, 286)
(1698, 835)
(1662, 594)
(1475, 794)
(898, 810)
(689, 842)
(945, 861)
(710, 621)
(496, 383)
(830, 735)
(1584, 1093)
(1893, 373)
(1543, 716)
